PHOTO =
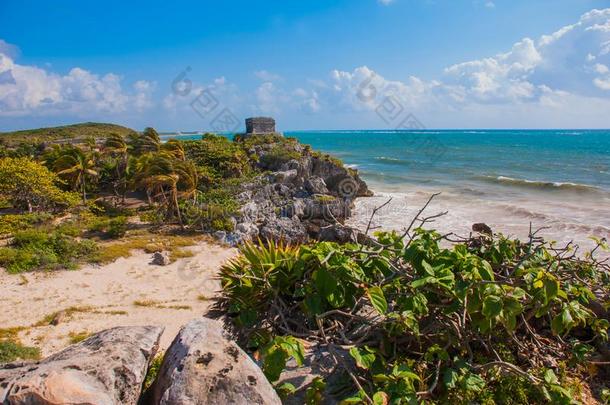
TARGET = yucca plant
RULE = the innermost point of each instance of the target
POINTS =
(261, 278)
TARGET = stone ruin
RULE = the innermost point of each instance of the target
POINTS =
(260, 125)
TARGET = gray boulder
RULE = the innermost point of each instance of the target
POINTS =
(316, 185)
(108, 368)
(338, 233)
(161, 258)
(290, 230)
(203, 367)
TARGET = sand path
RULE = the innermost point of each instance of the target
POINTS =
(129, 291)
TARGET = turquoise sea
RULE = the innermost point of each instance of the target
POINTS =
(507, 178)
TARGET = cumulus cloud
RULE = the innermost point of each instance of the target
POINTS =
(559, 79)
(30, 90)
(551, 75)
(10, 50)
(268, 76)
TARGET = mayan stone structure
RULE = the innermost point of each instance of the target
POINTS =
(260, 125)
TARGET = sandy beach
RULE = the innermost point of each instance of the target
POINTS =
(130, 291)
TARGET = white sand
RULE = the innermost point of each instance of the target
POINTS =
(113, 287)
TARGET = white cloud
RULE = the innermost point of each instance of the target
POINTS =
(540, 79)
(10, 50)
(267, 76)
(490, 4)
(30, 90)
(385, 2)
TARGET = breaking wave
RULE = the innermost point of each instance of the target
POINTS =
(541, 185)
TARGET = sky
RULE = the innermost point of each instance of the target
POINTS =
(316, 64)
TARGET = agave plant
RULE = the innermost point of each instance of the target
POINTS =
(261, 275)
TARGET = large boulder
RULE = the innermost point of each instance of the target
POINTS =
(108, 368)
(202, 367)
(338, 233)
(289, 230)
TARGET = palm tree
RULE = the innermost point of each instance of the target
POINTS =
(175, 148)
(116, 147)
(188, 178)
(166, 179)
(76, 166)
(148, 141)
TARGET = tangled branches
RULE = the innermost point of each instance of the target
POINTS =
(425, 322)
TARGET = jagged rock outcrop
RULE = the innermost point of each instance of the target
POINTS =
(203, 367)
(298, 199)
(108, 368)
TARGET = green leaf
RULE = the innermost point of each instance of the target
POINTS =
(378, 300)
(492, 306)
(486, 271)
(364, 359)
(380, 398)
(551, 288)
(474, 383)
(557, 325)
(427, 268)
(550, 377)
(450, 378)
(286, 389)
(423, 281)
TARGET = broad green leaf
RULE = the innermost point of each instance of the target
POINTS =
(364, 359)
(380, 398)
(378, 300)
(487, 273)
(492, 306)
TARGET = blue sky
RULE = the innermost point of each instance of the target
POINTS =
(451, 63)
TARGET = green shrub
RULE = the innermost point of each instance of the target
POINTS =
(217, 157)
(31, 186)
(112, 228)
(40, 250)
(424, 321)
(277, 156)
(10, 223)
(11, 350)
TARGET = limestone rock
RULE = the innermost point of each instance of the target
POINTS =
(161, 259)
(203, 367)
(482, 228)
(108, 368)
(338, 233)
(290, 230)
(316, 185)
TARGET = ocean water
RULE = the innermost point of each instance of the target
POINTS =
(509, 179)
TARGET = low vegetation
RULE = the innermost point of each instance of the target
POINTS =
(488, 319)
(11, 348)
(83, 132)
(64, 192)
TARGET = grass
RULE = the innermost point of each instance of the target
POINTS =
(149, 243)
(202, 297)
(76, 337)
(68, 313)
(145, 303)
(160, 305)
(11, 350)
(11, 333)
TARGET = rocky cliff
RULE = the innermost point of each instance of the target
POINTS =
(302, 195)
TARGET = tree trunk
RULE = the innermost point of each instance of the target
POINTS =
(84, 193)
